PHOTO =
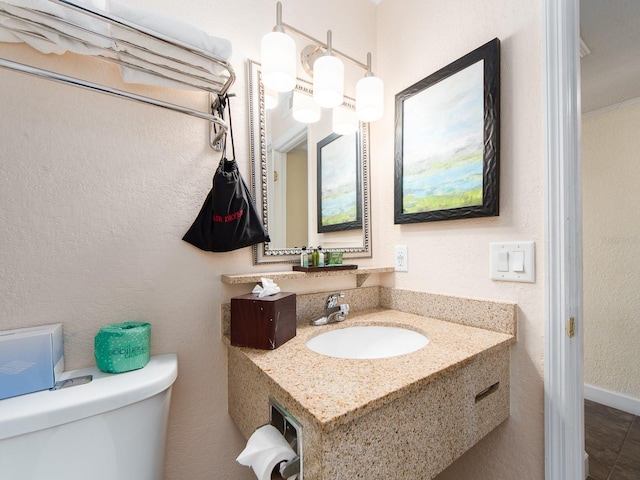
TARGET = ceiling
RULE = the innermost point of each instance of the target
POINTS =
(611, 72)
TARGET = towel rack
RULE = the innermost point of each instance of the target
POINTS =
(133, 53)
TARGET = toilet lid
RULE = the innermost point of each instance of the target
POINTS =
(106, 392)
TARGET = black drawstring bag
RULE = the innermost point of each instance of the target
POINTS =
(228, 219)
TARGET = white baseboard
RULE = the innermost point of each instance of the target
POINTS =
(612, 399)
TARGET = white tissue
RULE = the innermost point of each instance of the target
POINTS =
(269, 287)
(265, 450)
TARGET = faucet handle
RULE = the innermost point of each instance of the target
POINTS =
(332, 300)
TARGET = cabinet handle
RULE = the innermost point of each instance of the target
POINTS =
(487, 391)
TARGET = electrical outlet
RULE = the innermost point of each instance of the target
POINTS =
(401, 258)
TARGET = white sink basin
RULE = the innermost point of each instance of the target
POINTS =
(367, 342)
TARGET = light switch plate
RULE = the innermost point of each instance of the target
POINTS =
(515, 252)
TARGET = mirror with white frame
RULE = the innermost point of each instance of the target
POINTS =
(285, 178)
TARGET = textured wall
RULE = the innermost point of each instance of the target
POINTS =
(610, 172)
(415, 39)
(96, 193)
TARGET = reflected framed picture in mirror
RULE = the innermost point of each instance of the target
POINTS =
(285, 181)
(339, 202)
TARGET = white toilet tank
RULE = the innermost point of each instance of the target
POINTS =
(112, 428)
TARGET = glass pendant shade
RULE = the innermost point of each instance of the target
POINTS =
(305, 110)
(369, 99)
(270, 99)
(278, 52)
(344, 121)
(328, 81)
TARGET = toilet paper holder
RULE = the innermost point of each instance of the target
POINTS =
(291, 430)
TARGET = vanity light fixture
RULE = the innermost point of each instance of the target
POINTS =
(304, 109)
(278, 53)
(328, 78)
(270, 98)
(344, 121)
(369, 93)
(278, 56)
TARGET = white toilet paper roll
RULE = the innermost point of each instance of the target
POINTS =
(266, 449)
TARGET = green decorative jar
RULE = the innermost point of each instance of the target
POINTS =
(122, 347)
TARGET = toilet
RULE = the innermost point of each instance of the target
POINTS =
(111, 428)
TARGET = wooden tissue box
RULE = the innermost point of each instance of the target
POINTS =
(264, 323)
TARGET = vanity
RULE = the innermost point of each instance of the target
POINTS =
(407, 416)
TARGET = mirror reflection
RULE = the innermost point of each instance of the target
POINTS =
(310, 183)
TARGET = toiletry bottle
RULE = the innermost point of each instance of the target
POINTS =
(314, 257)
(320, 257)
(304, 258)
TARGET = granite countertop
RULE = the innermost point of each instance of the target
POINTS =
(236, 279)
(336, 391)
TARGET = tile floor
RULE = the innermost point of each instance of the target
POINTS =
(612, 439)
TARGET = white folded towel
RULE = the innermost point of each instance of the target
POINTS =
(34, 22)
(19, 31)
(180, 81)
(172, 28)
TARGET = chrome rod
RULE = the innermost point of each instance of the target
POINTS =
(141, 30)
(281, 26)
(278, 27)
(191, 80)
(116, 55)
(38, 72)
(320, 43)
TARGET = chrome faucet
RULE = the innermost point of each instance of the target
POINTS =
(332, 312)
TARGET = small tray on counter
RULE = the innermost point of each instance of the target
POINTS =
(326, 268)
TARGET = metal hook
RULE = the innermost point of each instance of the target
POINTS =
(218, 127)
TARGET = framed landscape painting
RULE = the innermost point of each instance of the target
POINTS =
(447, 141)
(339, 195)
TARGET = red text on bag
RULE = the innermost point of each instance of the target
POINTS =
(228, 218)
